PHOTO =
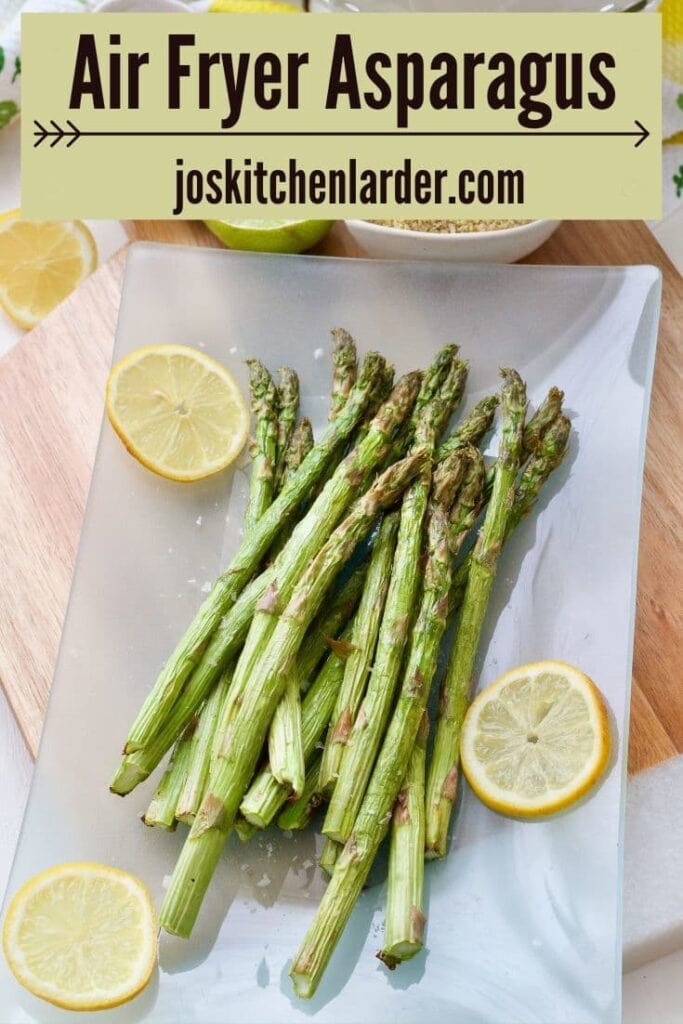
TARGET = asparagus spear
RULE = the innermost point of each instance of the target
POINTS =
(538, 424)
(244, 830)
(405, 918)
(550, 449)
(312, 532)
(288, 407)
(381, 391)
(343, 369)
(323, 635)
(328, 856)
(284, 739)
(228, 587)
(364, 638)
(441, 388)
(274, 413)
(266, 795)
(304, 542)
(285, 744)
(472, 429)
(300, 444)
(366, 736)
(189, 776)
(324, 629)
(271, 430)
(442, 776)
(543, 462)
(450, 396)
(355, 860)
(264, 405)
(161, 811)
(200, 754)
(297, 813)
(443, 383)
(466, 465)
(433, 381)
(135, 768)
(535, 430)
(276, 658)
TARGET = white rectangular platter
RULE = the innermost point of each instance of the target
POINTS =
(524, 919)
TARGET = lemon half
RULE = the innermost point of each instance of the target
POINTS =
(179, 412)
(536, 740)
(82, 936)
(41, 263)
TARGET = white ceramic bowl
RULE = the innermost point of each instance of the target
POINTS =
(142, 7)
(500, 246)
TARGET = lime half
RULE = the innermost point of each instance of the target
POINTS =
(270, 235)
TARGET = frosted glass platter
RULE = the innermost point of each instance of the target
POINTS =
(524, 919)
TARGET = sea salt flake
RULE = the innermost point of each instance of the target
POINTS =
(206, 587)
(198, 520)
(319, 353)
(263, 882)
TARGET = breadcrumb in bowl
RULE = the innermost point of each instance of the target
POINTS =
(447, 241)
(451, 227)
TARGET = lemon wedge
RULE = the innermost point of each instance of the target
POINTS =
(536, 740)
(253, 235)
(41, 263)
(179, 412)
(82, 936)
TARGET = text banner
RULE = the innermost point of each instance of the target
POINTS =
(453, 116)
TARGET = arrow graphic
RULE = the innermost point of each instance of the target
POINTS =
(57, 134)
(71, 134)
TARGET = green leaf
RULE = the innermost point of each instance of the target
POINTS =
(8, 110)
(678, 182)
(2, 58)
(679, 100)
(17, 68)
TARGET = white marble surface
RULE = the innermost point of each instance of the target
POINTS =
(15, 772)
(653, 875)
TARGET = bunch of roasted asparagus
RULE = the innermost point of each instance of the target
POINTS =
(304, 678)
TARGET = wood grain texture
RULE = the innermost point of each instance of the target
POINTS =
(48, 433)
(51, 386)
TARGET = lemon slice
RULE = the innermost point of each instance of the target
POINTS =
(535, 740)
(82, 936)
(177, 411)
(40, 264)
(253, 7)
(288, 236)
(672, 40)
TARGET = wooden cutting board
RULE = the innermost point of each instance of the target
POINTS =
(51, 387)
